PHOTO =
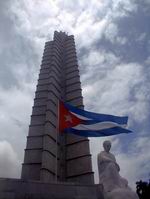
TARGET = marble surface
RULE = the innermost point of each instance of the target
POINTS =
(115, 186)
(27, 189)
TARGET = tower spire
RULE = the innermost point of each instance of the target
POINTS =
(58, 79)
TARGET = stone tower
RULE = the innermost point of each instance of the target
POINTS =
(58, 79)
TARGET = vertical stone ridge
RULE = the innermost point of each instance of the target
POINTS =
(58, 79)
(78, 158)
(48, 168)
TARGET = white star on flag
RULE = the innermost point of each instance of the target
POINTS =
(68, 118)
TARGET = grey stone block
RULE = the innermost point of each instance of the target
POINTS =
(79, 166)
(78, 149)
(49, 144)
(71, 138)
(87, 178)
(52, 97)
(70, 75)
(34, 142)
(48, 161)
(73, 80)
(33, 156)
(36, 130)
(42, 88)
(73, 87)
(31, 171)
(71, 67)
(51, 117)
(41, 94)
(45, 71)
(55, 89)
(43, 81)
(38, 110)
(37, 119)
(40, 101)
(23, 189)
(76, 101)
(50, 130)
(52, 107)
(73, 94)
(42, 76)
(46, 176)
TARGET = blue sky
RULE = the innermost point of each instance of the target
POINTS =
(113, 46)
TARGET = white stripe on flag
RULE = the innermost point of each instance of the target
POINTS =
(81, 117)
(98, 126)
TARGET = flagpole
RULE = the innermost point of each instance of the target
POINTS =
(57, 132)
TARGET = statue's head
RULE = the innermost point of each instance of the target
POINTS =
(107, 145)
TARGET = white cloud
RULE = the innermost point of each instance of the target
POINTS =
(15, 107)
(124, 8)
(93, 19)
(141, 37)
(136, 158)
(147, 61)
(9, 164)
(111, 32)
(123, 85)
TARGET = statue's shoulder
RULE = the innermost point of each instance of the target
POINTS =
(111, 154)
(101, 155)
(104, 154)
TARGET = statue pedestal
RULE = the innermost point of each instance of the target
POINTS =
(121, 193)
(23, 189)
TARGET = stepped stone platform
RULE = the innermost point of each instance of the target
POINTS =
(25, 189)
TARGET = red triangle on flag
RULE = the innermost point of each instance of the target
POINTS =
(66, 118)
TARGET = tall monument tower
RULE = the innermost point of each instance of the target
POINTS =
(67, 157)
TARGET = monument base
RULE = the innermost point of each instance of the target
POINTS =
(24, 189)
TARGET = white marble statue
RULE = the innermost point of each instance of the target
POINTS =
(115, 187)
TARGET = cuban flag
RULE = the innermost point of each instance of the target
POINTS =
(89, 124)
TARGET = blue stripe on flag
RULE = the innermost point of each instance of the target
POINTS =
(96, 116)
(89, 122)
(100, 133)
